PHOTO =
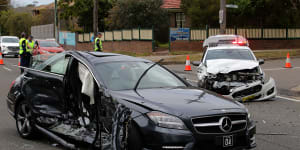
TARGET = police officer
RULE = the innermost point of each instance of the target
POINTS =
(31, 46)
(98, 43)
(24, 53)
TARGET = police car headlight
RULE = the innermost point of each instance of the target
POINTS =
(166, 121)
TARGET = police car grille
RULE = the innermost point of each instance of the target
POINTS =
(13, 48)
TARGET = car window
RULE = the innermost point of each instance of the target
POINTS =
(10, 40)
(56, 64)
(243, 54)
(124, 76)
(48, 44)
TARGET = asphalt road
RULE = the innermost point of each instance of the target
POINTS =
(278, 120)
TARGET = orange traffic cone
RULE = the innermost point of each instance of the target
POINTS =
(288, 61)
(1, 59)
(188, 64)
(19, 61)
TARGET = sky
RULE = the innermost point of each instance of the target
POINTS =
(20, 3)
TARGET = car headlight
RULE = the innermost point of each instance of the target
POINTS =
(166, 121)
(248, 113)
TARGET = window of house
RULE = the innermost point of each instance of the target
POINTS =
(180, 20)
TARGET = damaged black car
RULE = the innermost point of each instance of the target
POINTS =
(117, 102)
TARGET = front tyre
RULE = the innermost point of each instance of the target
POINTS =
(24, 121)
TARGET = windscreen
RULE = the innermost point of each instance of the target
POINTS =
(242, 54)
(124, 76)
(10, 40)
(48, 44)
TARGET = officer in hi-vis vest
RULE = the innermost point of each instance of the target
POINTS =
(98, 43)
(31, 47)
(24, 53)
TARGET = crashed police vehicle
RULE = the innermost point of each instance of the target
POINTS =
(230, 68)
(117, 102)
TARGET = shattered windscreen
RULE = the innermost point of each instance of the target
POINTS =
(242, 54)
(124, 76)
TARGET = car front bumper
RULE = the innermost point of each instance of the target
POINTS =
(10, 52)
(157, 138)
(268, 91)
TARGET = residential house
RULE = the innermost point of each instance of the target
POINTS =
(177, 18)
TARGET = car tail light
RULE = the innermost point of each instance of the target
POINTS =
(12, 83)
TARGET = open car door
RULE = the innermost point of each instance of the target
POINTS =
(43, 86)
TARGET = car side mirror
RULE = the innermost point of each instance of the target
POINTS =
(261, 61)
(196, 63)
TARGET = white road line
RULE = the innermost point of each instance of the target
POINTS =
(273, 69)
(192, 80)
(289, 99)
(7, 69)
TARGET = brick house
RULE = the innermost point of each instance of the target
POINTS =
(177, 18)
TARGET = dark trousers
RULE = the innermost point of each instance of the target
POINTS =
(25, 61)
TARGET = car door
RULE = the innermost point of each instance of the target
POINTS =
(43, 86)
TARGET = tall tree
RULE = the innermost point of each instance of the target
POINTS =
(137, 13)
(82, 10)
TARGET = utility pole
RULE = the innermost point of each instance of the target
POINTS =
(222, 17)
(95, 18)
(55, 20)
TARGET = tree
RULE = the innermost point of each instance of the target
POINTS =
(127, 14)
(82, 10)
(13, 23)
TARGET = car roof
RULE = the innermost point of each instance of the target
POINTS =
(224, 47)
(93, 57)
(9, 37)
(217, 38)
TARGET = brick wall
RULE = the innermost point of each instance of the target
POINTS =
(109, 46)
(254, 45)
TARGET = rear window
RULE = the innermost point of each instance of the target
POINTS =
(48, 44)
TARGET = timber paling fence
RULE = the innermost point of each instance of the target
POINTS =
(120, 35)
(249, 33)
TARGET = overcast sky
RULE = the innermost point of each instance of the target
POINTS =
(18, 3)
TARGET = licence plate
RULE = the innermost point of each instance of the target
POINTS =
(248, 98)
(227, 141)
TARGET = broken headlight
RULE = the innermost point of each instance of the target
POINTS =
(166, 121)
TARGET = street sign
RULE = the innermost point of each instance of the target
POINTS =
(179, 34)
(221, 16)
(232, 6)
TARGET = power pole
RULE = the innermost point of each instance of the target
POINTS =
(55, 21)
(222, 16)
(95, 26)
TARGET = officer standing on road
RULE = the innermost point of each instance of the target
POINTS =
(24, 53)
(98, 43)
(30, 48)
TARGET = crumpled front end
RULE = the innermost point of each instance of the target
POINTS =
(242, 85)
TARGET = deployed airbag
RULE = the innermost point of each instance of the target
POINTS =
(87, 81)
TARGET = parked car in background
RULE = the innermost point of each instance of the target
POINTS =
(48, 46)
(9, 45)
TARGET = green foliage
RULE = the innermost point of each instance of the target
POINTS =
(127, 14)
(251, 13)
(82, 10)
(13, 23)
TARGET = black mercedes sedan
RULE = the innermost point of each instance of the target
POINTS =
(117, 102)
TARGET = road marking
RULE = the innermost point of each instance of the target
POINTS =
(289, 99)
(192, 80)
(273, 69)
(7, 69)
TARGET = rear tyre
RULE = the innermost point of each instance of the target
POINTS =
(24, 122)
(16, 56)
(3, 55)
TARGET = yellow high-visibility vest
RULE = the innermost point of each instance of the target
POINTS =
(22, 43)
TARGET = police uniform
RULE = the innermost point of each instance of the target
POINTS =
(24, 53)
(98, 45)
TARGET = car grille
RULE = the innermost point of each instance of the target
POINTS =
(247, 92)
(211, 124)
(13, 48)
